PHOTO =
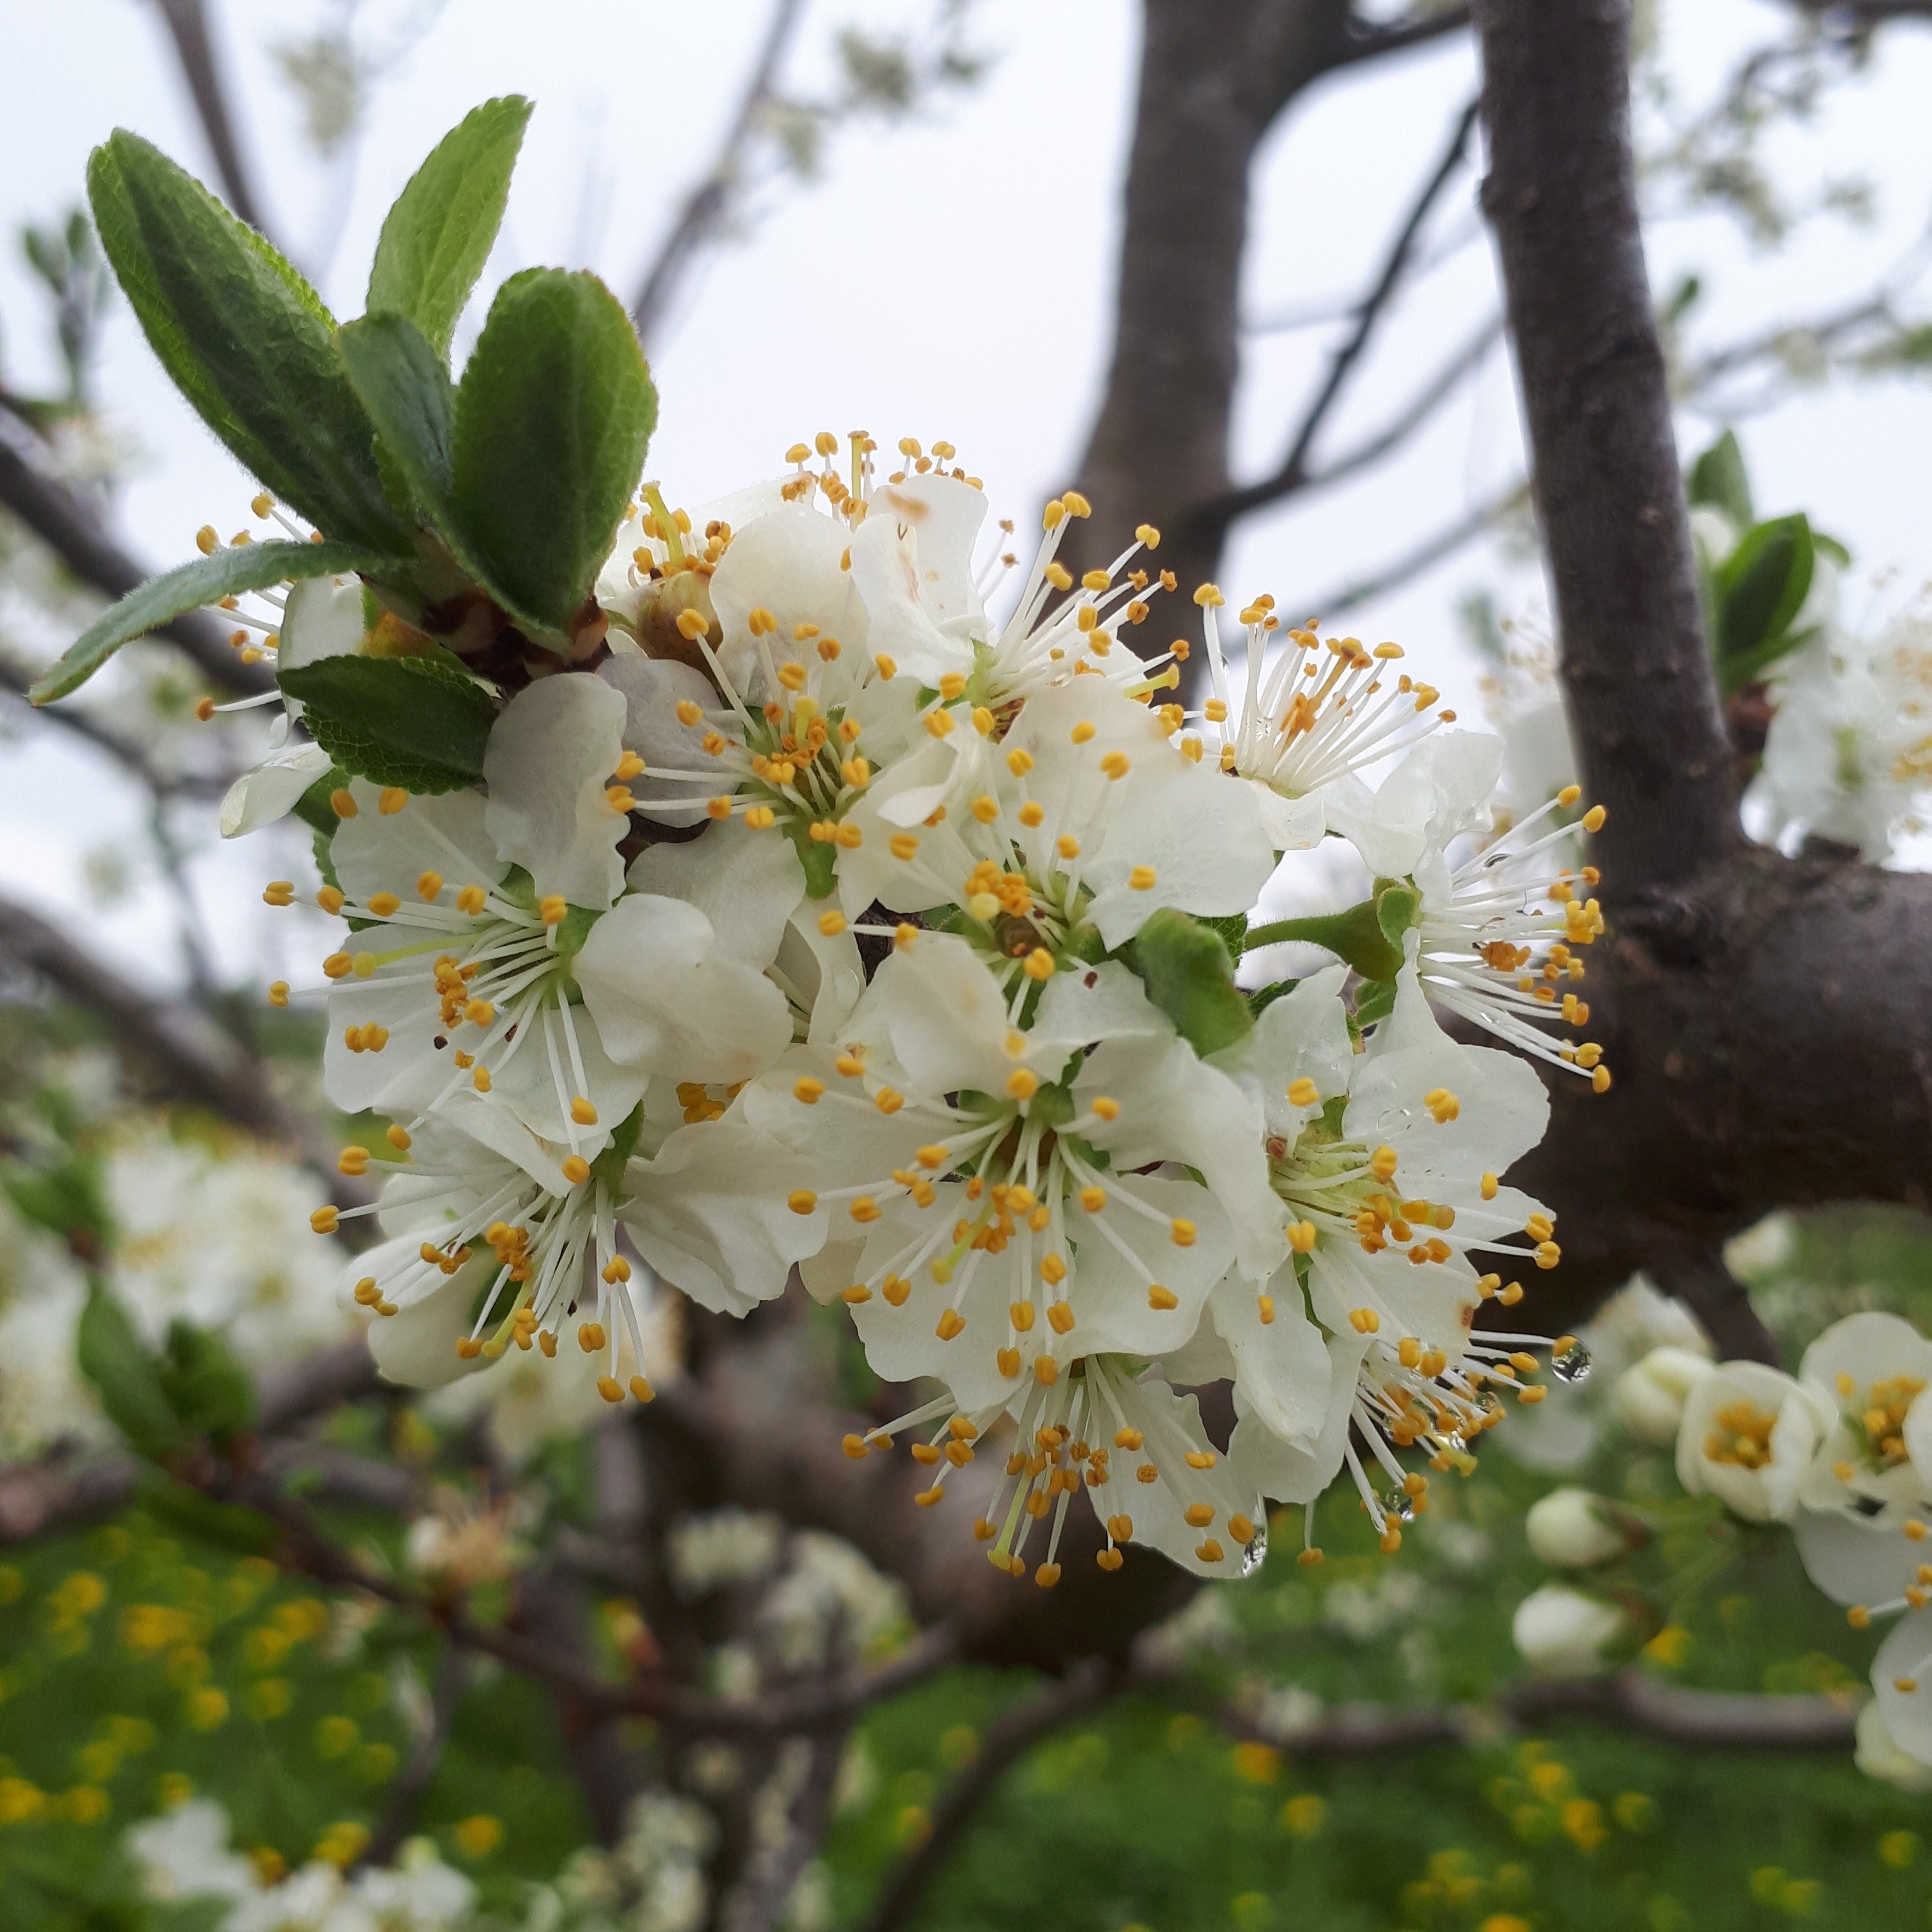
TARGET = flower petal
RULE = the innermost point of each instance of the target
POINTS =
(549, 757)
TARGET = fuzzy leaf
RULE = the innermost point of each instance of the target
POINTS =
(414, 722)
(206, 1388)
(1188, 975)
(206, 580)
(553, 415)
(439, 233)
(246, 338)
(406, 391)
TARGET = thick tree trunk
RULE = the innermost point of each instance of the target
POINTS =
(1214, 73)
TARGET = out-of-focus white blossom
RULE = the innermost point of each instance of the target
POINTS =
(1561, 1633)
(1571, 1529)
(1651, 1394)
(1747, 1437)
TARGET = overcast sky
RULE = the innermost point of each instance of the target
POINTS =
(952, 279)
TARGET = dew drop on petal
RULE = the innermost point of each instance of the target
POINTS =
(1400, 1504)
(1255, 1554)
(1573, 1365)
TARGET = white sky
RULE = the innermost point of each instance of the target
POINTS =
(952, 279)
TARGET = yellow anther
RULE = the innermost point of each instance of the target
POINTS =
(951, 1324)
(1022, 1084)
(342, 803)
(1161, 1298)
(278, 993)
(583, 1112)
(324, 1220)
(1302, 1092)
(832, 924)
(1140, 879)
(1569, 795)
(1115, 764)
(1181, 1231)
(1208, 596)
(391, 800)
(1082, 734)
(472, 899)
(576, 1169)
(553, 910)
(691, 626)
(353, 1160)
(1106, 1107)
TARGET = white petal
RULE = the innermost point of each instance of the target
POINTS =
(550, 755)
(946, 1014)
(1436, 1302)
(825, 970)
(1281, 1366)
(1302, 1035)
(446, 833)
(1855, 1561)
(271, 790)
(1768, 1494)
(668, 998)
(652, 688)
(324, 617)
(1437, 791)
(416, 1346)
(1170, 1426)
(887, 569)
(1175, 1107)
(1199, 832)
(709, 1214)
(1907, 1653)
(747, 883)
(1277, 1467)
(786, 563)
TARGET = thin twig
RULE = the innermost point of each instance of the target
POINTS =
(1007, 1739)
(1292, 471)
(1404, 422)
(399, 1807)
(1411, 563)
(708, 204)
(196, 1061)
(74, 534)
(186, 23)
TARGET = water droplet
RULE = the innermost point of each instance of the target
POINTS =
(1400, 1504)
(1255, 1554)
(1456, 1442)
(1573, 1365)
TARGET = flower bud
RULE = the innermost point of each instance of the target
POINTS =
(1561, 1633)
(1650, 1395)
(1571, 1529)
(1747, 1437)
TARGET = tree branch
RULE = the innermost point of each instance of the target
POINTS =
(708, 204)
(1561, 196)
(1007, 1739)
(399, 1805)
(127, 755)
(186, 23)
(1413, 29)
(73, 533)
(1631, 1700)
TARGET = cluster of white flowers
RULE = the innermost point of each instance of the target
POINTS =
(209, 1227)
(826, 920)
(1848, 756)
(184, 1854)
(1840, 1453)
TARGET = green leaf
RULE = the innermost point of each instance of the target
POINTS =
(127, 1378)
(439, 233)
(315, 811)
(1717, 478)
(1375, 1000)
(1264, 996)
(206, 580)
(1233, 928)
(1188, 974)
(207, 1388)
(1759, 588)
(554, 416)
(409, 722)
(245, 337)
(406, 389)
